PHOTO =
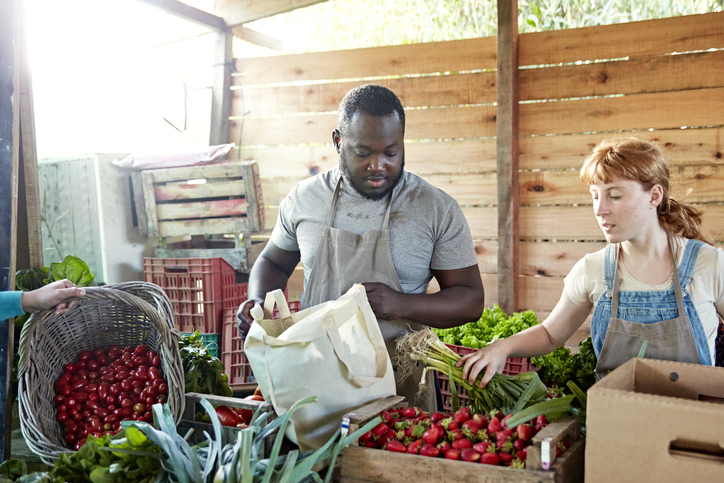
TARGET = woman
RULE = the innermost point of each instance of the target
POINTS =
(633, 278)
(55, 295)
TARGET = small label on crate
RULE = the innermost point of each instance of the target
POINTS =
(345, 426)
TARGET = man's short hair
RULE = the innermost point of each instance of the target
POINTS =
(368, 99)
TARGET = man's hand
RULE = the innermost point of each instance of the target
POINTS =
(55, 295)
(243, 316)
(384, 300)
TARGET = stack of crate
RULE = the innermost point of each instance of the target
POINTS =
(232, 354)
(199, 290)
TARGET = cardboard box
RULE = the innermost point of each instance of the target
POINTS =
(656, 421)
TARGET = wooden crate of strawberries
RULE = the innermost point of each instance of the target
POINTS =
(552, 452)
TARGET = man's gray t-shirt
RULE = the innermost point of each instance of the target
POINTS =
(427, 227)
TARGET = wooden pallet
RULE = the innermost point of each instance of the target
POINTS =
(358, 464)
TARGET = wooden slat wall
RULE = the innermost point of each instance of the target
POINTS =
(659, 80)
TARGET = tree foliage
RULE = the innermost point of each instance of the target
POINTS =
(353, 24)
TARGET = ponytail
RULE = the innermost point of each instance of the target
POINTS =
(681, 219)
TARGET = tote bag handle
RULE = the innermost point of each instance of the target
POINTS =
(330, 326)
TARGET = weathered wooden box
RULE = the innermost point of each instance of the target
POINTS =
(358, 464)
(199, 200)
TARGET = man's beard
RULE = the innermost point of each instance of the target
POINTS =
(347, 176)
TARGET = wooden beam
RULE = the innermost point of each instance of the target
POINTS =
(236, 12)
(221, 89)
(258, 38)
(507, 144)
(29, 208)
(9, 147)
(187, 12)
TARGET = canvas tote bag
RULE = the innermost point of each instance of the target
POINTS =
(334, 351)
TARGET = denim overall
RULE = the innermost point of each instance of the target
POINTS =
(344, 258)
(666, 319)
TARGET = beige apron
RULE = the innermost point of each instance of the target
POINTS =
(670, 339)
(344, 258)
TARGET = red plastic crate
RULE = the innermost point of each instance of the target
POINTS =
(232, 353)
(198, 288)
(513, 366)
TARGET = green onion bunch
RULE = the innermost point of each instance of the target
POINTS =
(509, 394)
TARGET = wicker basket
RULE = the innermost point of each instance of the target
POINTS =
(125, 314)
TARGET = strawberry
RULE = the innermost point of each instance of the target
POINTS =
(494, 426)
(467, 410)
(490, 459)
(518, 444)
(462, 443)
(541, 422)
(481, 419)
(504, 434)
(454, 434)
(522, 454)
(461, 416)
(484, 447)
(560, 448)
(429, 450)
(414, 447)
(436, 416)
(386, 416)
(452, 454)
(415, 431)
(396, 446)
(366, 437)
(504, 445)
(380, 429)
(499, 415)
(470, 428)
(518, 463)
(400, 435)
(524, 432)
(409, 413)
(469, 454)
(505, 458)
(370, 444)
(446, 422)
(444, 446)
(395, 422)
(432, 435)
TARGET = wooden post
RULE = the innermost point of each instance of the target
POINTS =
(507, 149)
(221, 89)
(9, 153)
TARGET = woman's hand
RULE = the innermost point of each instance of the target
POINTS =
(60, 296)
(491, 358)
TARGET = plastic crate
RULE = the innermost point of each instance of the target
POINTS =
(236, 365)
(513, 366)
(212, 342)
(198, 288)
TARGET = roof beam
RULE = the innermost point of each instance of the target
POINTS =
(187, 12)
(255, 37)
(236, 12)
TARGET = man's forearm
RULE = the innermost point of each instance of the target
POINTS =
(449, 307)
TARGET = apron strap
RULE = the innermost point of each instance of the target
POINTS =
(677, 284)
(675, 277)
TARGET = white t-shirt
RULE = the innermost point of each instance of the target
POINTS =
(584, 284)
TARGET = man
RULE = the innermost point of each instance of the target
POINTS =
(369, 221)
